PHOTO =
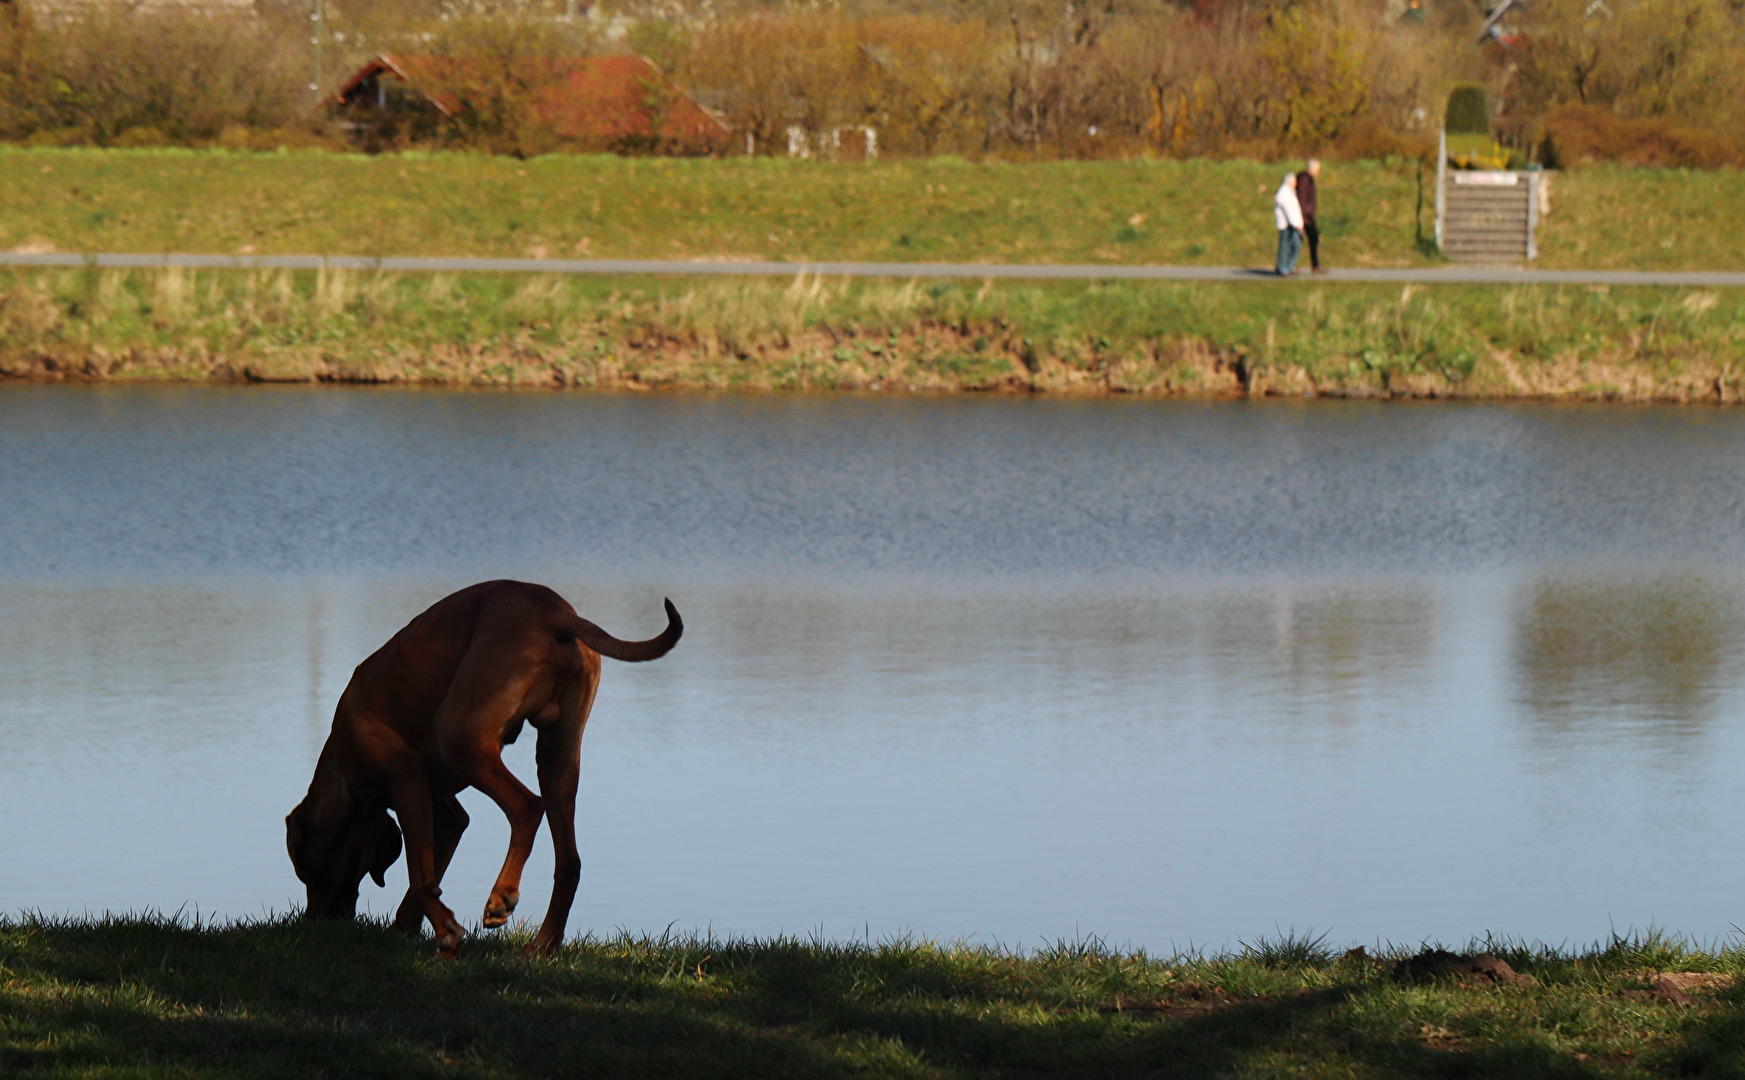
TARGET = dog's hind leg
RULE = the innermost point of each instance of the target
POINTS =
(523, 809)
(448, 821)
(560, 764)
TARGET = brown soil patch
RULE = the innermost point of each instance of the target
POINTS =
(1679, 988)
(1476, 969)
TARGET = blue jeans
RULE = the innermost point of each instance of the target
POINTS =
(1290, 246)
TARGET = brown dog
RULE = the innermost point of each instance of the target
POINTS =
(428, 714)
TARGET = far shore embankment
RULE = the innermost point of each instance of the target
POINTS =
(1209, 335)
(1192, 339)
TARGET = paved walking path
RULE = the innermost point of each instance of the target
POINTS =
(1484, 275)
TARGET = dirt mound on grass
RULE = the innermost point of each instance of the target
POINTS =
(1678, 988)
(1480, 968)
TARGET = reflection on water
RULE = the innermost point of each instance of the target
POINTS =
(1324, 651)
(1604, 659)
(1010, 669)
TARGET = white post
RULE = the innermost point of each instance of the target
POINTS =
(1441, 170)
(319, 18)
(1533, 181)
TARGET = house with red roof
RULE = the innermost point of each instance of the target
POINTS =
(623, 104)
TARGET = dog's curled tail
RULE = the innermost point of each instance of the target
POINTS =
(632, 651)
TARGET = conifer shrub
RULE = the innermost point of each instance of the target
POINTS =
(1468, 111)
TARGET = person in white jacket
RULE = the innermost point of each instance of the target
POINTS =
(1287, 215)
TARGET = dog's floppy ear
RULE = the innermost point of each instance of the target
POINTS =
(385, 849)
(294, 838)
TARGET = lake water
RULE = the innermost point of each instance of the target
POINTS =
(996, 669)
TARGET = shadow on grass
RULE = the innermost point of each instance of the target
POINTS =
(291, 999)
(1322, 1031)
(149, 998)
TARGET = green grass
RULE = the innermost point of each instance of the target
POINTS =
(1612, 218)
(154, 997)
(1202, 212)
(760, 334)
(942, 209)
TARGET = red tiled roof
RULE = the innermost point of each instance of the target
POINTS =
(595, 98)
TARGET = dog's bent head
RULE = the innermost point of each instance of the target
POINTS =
(333, 847)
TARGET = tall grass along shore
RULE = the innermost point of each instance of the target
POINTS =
(809, 333)
(148, 997)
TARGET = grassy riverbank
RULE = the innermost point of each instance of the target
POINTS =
(1186, 212)
(1159, 338)
(154, 998)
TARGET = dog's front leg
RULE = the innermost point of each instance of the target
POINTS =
(410, 788)
(489, 693)
(448, 821)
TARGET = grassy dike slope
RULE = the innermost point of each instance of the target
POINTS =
(941, 209)
(146, 998)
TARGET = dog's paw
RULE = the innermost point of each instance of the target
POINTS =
(448, 942)
(499, 908)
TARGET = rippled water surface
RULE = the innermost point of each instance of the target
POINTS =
(999, 669)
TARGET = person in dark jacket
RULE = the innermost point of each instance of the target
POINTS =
(1306, 198)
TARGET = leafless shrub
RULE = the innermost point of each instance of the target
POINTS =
(116, 74)
(1023, 78)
